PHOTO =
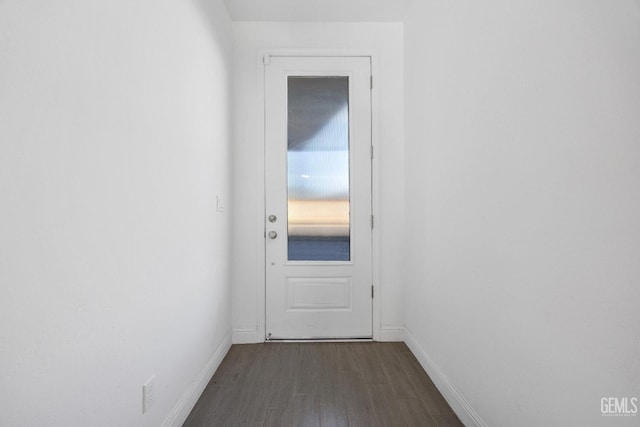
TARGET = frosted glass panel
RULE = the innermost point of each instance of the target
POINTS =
(318, 169)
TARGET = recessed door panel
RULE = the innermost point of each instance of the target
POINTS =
(319, 294)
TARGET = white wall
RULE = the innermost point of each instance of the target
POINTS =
(523, 205)
(114, 141)
(385, 41)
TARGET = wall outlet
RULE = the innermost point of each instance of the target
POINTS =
(147, 394)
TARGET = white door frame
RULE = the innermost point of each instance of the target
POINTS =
(375, 173)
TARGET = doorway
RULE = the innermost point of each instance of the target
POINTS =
(318, 223)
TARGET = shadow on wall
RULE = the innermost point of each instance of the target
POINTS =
(211, 11)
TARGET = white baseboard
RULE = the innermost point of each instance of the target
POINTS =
(458, 403)
(246, 336)
(392, 333)
(188, 400)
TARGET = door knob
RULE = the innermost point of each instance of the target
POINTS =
(273, 235)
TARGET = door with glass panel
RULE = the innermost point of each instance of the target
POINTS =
(318, 197)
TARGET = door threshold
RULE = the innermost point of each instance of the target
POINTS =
(312, 340)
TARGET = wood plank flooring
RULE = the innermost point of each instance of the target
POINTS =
(321, 384)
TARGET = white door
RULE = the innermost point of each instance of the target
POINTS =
(318, 197)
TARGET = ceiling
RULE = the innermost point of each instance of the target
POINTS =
(318, 10)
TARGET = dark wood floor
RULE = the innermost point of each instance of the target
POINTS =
(321, 384)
